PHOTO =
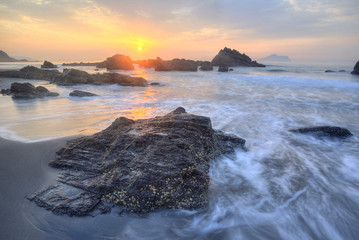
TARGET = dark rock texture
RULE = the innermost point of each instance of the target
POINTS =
(141, 165)
(117, 62)
(356, 69)
(206, 66)
(71, 77)
(177, 65)
(27, 90)
(222, 69)
(325, 131)
(48, 64)
(231, 58)
(78, 93)
(31, 72)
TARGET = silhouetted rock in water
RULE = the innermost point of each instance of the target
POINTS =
(231, 58)
(142, 165)
(356, 69)
(177, 65)
(48, 64)
(75, 64)
(78, 93)
(325, 131)
(27, 90)
(71, 77)
(222, 69)
(329, 71)
(231, 69)
(31, 72)
(154, 83)
(206, 66)
(117, 62)
(149, 63)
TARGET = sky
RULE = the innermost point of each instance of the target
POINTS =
(92, 30)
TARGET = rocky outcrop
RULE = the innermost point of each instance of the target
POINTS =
(356, 69)
(231, 58)
(27, 90)
(222, 69)
(206, 66)
(48, 64)
(78, 93)
(31, 72)
(71, 77)
(6, 58)
(177, 65)
(325, 131)
(141, 165)
(149, 63)
(117, 62)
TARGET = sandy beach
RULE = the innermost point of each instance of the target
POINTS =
(24, 170)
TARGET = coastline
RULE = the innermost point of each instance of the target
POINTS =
(24, 170)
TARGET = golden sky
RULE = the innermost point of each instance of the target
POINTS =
(91, 30)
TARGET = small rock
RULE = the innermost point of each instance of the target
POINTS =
(356, 69)
(78, 93)
(48, 64)
(222, 69)
(324, 131)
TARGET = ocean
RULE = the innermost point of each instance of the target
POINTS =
(286, 186)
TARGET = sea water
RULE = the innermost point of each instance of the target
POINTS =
(286, 186)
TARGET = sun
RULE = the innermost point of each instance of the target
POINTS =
(140, 49)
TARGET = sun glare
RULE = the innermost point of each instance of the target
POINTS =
(139, 49)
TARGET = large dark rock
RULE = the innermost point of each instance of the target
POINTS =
(117, 61)
(27, 90)
(206, 66)
(325, 131)
(177, 65)
(356, 69)
(71, 77)
(31, 72)
(78, 93)
(230, 58)
(48, 64)
(141, 165)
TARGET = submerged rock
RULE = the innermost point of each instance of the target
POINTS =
(325, 131)
(356, 69)
(141, 165)
(78, 93)
(27, 90)
(231, 58)
(48, 64)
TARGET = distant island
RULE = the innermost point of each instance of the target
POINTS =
(4, 57)
(275, 58)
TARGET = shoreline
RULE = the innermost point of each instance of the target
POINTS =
(25, 170)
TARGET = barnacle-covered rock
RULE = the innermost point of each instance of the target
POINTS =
(141, 165)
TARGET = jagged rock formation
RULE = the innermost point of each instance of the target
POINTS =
(27, 90)
(356, 69)
(48, 64)
(31, 72)
(231, 58)
(325, 131)
(141, 165)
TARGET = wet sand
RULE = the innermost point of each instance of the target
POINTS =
(24, 170)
